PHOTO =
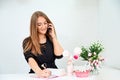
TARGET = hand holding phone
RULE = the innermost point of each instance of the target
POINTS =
(49, 28)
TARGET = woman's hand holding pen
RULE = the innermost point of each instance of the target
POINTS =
(45, 72)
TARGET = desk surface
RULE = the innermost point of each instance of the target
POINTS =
(105, 74)
(30, 77)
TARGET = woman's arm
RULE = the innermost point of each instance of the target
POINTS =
(58, 50)
(40, 73)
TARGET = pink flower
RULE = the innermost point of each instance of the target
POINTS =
(101, 58)
(76, 56)
(77, 52)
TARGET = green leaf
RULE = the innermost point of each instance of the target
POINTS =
(95, 48)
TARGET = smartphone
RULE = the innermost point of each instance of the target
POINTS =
(48, 29)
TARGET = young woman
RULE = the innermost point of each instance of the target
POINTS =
(41, 48)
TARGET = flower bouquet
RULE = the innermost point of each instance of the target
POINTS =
(92, 55)
(72, 68)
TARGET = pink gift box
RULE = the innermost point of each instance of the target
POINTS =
(82, 74)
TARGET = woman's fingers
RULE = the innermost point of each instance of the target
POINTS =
(46, 73)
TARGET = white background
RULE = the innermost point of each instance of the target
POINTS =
(77, 23)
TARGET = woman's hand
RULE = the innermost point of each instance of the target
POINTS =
(44, 73)
(52, 31)
(58, 50)
(40, 73)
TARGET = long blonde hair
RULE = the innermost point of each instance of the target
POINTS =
(32, 42)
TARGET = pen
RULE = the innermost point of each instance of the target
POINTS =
(43, 66)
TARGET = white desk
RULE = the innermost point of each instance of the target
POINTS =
(28, 77)
(105, 74)
(108, 73)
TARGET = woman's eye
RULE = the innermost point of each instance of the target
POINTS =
(45, 23)
(38, 24)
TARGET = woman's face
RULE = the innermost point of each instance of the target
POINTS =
(42, 25)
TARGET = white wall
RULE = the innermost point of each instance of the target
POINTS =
(109, 30)
(78, 22)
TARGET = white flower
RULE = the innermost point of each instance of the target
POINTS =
(89, 54)
(100, 62)
(94, 53)
(66, 53)
(77, 50)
